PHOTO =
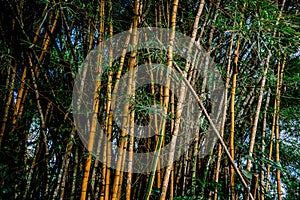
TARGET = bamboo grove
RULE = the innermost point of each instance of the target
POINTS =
(255, 45)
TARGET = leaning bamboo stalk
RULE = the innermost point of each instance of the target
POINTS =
(194, 93)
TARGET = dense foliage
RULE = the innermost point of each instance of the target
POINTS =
(255, 45)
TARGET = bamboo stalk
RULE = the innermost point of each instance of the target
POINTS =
(125, 122)
(217, 170)
(10, 86)
(277, 131)
(166, 94)
(232, 119)
(262, 173)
